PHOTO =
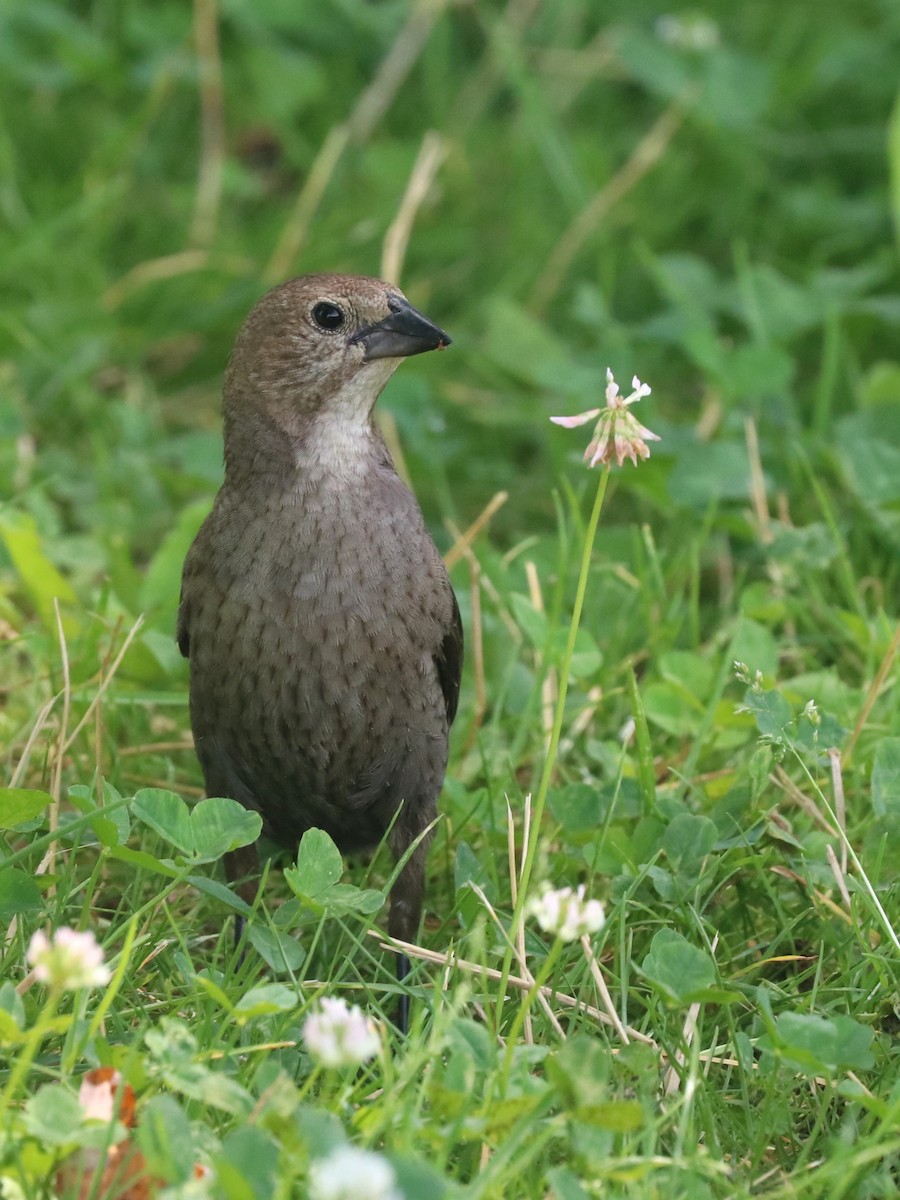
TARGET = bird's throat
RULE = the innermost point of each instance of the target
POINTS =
(341, 439)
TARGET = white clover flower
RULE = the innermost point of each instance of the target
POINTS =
(617, 435)
(566, 914)
(690, 31)
(351, 1174)
(338, 1035)
(67, 960)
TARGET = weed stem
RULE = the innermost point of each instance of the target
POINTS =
(540, 801)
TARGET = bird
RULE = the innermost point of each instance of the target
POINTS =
(323, 635)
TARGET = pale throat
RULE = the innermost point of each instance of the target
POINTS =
(340, 439)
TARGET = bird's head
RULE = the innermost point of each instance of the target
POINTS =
(313, 356)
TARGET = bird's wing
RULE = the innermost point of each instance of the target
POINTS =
(182, 633)
(449, 660)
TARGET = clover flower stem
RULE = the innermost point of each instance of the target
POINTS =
(540, 801)
(524, 1009)
(309, 1083)
(75, 1044)
(22, 1062)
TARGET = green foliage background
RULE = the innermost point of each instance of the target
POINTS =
(707, 198)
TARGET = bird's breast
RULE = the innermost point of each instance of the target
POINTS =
(315, 621)
(331, 569)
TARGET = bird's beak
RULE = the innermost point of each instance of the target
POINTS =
(404, 332)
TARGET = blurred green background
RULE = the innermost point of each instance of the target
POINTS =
(707, 198)
(702, 197)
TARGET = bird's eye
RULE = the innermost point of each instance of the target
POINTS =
(327, 315)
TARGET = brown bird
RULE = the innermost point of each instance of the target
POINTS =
(323, 634)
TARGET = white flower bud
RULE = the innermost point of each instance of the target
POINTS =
(566, 914)
(351, 1174)
(67, 960)
(338, 1035)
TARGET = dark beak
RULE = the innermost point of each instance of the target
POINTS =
(404, 332)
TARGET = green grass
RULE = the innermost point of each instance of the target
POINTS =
(721, 222)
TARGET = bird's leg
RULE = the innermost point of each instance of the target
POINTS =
(401, 1016)
(403, 924)
(242, 866)
(405, 917)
